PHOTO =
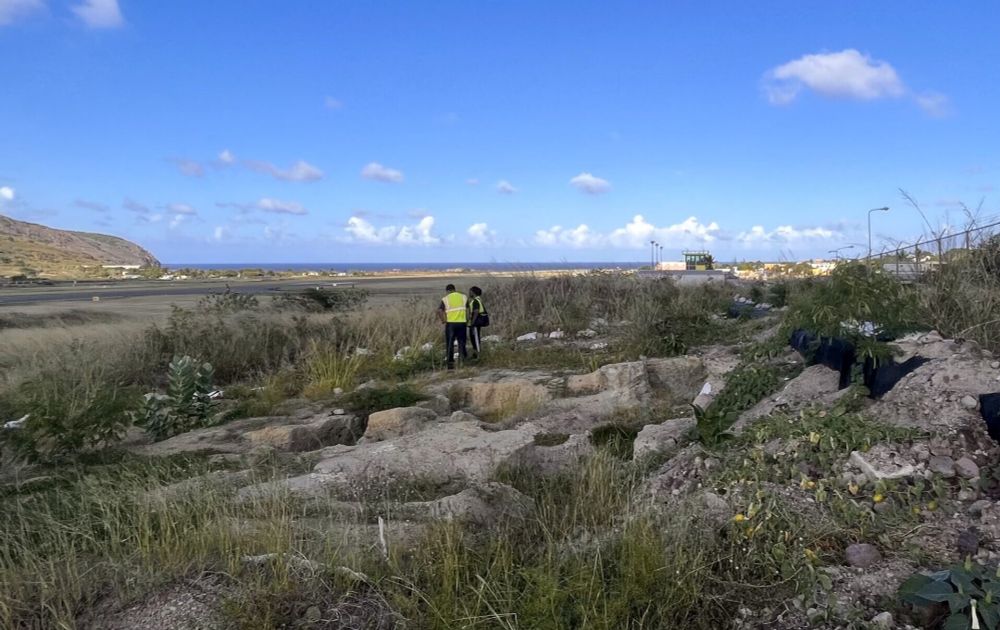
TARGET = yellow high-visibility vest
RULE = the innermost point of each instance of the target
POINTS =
(454, 308)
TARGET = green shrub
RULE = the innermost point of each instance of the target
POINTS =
(228, 302)
(187, 404)
(319, 300)
(747, 385)
(855, 294)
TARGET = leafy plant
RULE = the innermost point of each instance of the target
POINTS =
(964, 596)
(187, 404)
(746, 387)
(368, 400)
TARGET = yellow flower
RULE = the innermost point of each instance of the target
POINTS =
(878, 498)
(932, 506)
(739, 518)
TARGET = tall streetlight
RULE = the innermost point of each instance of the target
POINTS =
(652, 255)
(661, 253)
(836, 252)
(870, 228)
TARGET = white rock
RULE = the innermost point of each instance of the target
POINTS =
(556, 334)
(587, 333)
(337, 391)
(600, 345)
(427, 347)
(995, 365)
(969, 402)
(874, 475)
(17, 424)
(401, 353)
(661, 438)
(492, 338)
(339, 412)
(883, 620)
(532, 336)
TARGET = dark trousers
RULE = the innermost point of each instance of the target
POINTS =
(454, 332)
(475, 336)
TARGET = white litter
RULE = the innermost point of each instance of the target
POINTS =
(17, 424)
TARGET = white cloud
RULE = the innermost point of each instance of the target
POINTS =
(332, 103)
(505, 188)
(100, 13)
(585, 182)
(634, 235)
(784, 234)
(191, 168)
(934, 104)
(176, 221)
(301, 171)
(844, 74)
(281, 207)
(226, 157)
(91, 205)
(481, 234)
(580, 236)
(472, 181)
(181, 208)
(220, 233)
(14, 10)
(6, 193)
(134, 206)
(360, 230)
(377, 172)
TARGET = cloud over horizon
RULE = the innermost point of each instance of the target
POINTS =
(505, 188)
(361, 231)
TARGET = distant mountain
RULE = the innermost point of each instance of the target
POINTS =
(51, 252)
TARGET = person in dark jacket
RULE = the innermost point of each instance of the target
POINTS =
(478, 318)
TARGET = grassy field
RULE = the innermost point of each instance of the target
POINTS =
(87, 528)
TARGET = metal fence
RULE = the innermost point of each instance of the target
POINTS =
(913, 261)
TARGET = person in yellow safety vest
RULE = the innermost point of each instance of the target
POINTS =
(452, 313)
(478, 318)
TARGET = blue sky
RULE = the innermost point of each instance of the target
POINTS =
(515, 131)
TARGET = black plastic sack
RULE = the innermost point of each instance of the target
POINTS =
(989, 407)
(834, 353)
(881, 377)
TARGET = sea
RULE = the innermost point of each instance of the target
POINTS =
(413, 267)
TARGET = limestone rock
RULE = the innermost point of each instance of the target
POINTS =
(483, 505)
(587, 333)
(862, 555)
(553, 459)
(438, 403)
(532, 336)
(883, 621)
(966, 468)
(447, 455)
(942, 465)
(556, 334)
(392, 423)
(656, 439)
(680, 378)
(970, 402)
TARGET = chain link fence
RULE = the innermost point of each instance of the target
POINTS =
(912, 262)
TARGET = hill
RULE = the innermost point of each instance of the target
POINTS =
(52, 252)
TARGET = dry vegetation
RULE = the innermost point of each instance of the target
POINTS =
(98, 531)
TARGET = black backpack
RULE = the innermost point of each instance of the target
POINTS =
(482, 318)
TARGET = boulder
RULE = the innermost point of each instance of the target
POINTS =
(392, 423)
(532, 336)
(438, 403)
(628, 379)
(942, 465)
(657, 439)
(966, 468)
(862, 555)
(501, 393)
(816, 384)
(679, 378)
(482, 504)
(587, 333)
(282, 433)
(556, 334)
(886, 471)
(549, 458)
(448, 456)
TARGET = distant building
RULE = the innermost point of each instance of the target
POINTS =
(698, 261)
(671, 265)
(121, 266)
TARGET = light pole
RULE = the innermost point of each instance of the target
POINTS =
(836, 252)
(661, 253)
(870, 228)
(652, 255)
